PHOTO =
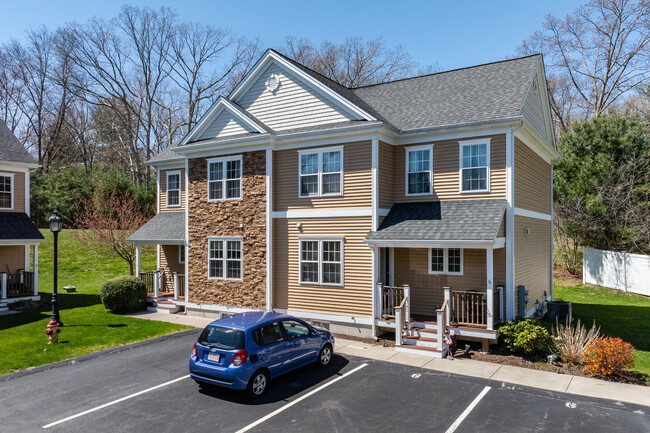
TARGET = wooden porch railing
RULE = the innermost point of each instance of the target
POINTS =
(148, 278)
(20, 284)
(400, 320)
(469, 308)
(391, 298)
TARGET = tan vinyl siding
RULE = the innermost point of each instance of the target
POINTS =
(294, 104)
(169, 262)
(532, 180)
(533, 108)
(357, 180)
(533, 258)
(354, 297)
(446, 176)
(385, 175)
(18, 191)
(163, 191)
(224, 125)
(12, 258)
(412, 268)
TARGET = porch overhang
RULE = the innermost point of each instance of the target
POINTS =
(442, 224)
(166, 228)
(18, 229)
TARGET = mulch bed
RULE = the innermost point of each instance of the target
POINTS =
(500, 356)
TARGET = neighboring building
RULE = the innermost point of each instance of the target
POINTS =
(297, 194)
(18, 281)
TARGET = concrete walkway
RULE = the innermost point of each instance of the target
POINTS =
(505, 374)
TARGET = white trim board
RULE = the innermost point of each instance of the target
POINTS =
(532, 214)
(329, 213)
(326, 317)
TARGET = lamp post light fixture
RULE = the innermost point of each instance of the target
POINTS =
(56, 225)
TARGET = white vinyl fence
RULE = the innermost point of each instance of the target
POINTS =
(622, 271)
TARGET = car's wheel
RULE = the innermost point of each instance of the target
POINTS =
(325, 356)
(257, 384)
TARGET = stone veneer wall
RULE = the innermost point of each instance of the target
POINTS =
(245, 218)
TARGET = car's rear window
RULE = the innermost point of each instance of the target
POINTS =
(222, 338)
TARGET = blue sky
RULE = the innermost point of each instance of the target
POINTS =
(451, 34)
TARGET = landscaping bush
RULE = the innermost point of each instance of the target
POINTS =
(123, 294)
(572, 341)
(607, 356)
(525, 335)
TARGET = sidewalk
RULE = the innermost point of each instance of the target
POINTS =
(502, 373)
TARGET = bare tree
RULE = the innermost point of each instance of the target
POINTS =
(594, 56)
(354, 62)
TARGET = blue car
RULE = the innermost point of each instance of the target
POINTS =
(246, 350)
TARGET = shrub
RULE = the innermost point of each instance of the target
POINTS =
(571, 341)
(607, 356)
(525, 335)
(123, 294)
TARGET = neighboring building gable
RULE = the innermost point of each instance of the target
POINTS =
(224, 125)
(293, 104)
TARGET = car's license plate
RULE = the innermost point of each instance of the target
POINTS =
(214, 357)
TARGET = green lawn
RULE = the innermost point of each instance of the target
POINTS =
(88, 327)
(618, 314)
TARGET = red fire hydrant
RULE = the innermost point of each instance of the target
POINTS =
(52, 331)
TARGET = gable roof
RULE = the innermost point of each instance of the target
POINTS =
(163, 227)
(457, 220)
(10, 148)
(18, 226)
(479, 93)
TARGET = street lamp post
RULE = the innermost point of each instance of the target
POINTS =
(56, 225)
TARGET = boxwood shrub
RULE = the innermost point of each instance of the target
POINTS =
(525, 335)
(124, 294)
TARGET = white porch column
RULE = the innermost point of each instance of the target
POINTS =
(3, 285)
(448, 299)
(398, 326)
(407, 306)
(176, 288)
(440, 317)
(35, 267)
(375, 298)
(137, 260)
(489, 262)
(156, 284)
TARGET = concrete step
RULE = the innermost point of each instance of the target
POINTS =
(421, 350)
(421, 332)
(3, 309)
(163, 309)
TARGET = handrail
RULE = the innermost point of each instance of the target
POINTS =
(401, 305)
(443, 308)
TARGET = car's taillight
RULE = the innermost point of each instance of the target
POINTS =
(240, 357)
(194, 351)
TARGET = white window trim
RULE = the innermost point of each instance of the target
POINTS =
(320, 152)
(320, 241)
(445, 265)
(408, 150)
(224, 179)
(488, 158)
(181, 248)
(11, 176)
(180, 184)
(225, 259)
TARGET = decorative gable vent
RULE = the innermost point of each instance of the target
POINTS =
(273, 83)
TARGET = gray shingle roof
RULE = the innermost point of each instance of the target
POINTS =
(164, 227)
(167, 154)
(479, 93)
(441, 221)
(18, 226)
(11, 149)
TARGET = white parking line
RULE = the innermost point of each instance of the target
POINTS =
(466, 412)
(309, 394)
(114, 402)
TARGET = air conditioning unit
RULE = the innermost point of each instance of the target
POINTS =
(559, 311)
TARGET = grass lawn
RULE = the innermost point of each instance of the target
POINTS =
(618, 314)
(88, 327)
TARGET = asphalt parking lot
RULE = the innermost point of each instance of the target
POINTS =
(146, 389)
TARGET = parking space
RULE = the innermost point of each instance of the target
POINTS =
(145, 390)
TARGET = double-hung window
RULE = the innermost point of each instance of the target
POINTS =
(6, 191)
(225, 258)
(173, 188)
(475, 165)
(321, 172)
(224, 178)
(419, 170)
(321, 261)
(446, 261)
(181, 254)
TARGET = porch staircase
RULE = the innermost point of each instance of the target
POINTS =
(3, 307)
(421, 338)
(162, 305)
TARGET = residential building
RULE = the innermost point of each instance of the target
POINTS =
(419, 205)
